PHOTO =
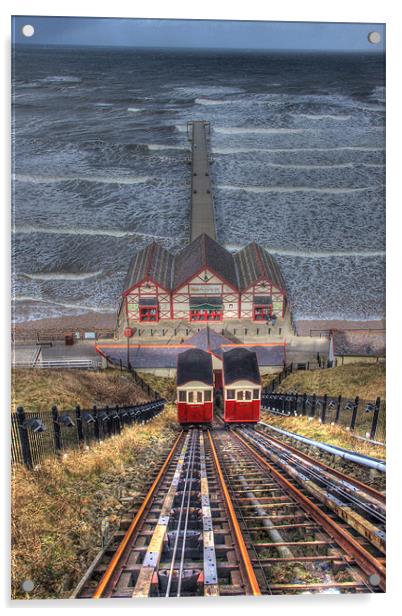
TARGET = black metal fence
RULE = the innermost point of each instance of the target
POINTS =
(365, 418)
(36, 435)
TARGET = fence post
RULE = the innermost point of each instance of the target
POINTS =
(324, 408)
(109, 421)
(56, 430)
(295, 407)
(375, 418)
(354, 413)
(313, 405)
(304, 404)
(96, 424)
(80, 432)
(117, 421)
(338, 409)
(24, 438)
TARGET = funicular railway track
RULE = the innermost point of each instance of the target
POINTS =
(223, 518)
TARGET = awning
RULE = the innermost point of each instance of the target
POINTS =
(148, 301)
(262, 300)
(206, 303)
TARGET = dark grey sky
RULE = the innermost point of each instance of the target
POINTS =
(198, 34)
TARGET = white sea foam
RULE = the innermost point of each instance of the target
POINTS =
(334, 166)
(96, 179)
(134, 109)
(161, 146)
(293, 189)
(103, 104)
(211, 101)
(219, 150)
(325, 116)
(28, 229)
(315, 254)
(30, 298)
(257, 130)
(60, 79)
(63, 275)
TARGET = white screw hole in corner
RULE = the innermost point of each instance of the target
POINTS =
(374, 38)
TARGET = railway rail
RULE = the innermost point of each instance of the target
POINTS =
(225, 516)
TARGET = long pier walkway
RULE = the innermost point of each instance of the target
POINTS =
(202, 205)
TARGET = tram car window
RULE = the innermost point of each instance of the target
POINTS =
(242, 386)
(195, 384)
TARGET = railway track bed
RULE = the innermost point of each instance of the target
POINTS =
(223, 517)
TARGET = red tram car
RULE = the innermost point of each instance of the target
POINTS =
(241, 386)
(195, 385)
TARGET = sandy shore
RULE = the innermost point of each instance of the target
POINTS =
(88, 321)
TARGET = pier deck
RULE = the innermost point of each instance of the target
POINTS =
(202, 205)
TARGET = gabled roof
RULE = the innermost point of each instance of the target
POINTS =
(204, 252)
(240, 364)
(209, 340)
(194, 365)
(254, 263)
(153, 262)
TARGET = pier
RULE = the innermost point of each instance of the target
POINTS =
(202, 205)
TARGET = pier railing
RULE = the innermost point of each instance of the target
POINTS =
(37, 435)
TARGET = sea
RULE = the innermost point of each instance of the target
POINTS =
(100, 169)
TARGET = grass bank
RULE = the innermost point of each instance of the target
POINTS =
(364, 380)
(58, 510)
(40, 389)
(166, 386)
(325, 433)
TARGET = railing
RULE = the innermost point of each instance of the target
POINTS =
(364, 418)
(289, 369)
(58, 335)
(37, 435)
(84, 364)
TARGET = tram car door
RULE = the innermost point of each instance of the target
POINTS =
(195, 388)
(241, 386)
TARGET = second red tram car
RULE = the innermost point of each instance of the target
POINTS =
(195, 385)
(241, 386)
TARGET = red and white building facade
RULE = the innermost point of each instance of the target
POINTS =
(202, 283)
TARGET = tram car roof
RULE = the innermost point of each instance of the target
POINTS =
(240, 364)
(194, 365)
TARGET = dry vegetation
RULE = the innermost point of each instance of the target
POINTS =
(58, 509)
(166, 386)
(40, 389)
(333, 435)
(364, 380)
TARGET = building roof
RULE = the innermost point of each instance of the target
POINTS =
(194, 365)
(247, 267)
(240, 364)
(204, 252)
(142, 356)
(153, 262)
(364, 343)
(209, 340)
(254, 263)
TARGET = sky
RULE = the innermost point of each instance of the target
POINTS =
(203, 34)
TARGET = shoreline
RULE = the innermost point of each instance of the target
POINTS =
(93, 320)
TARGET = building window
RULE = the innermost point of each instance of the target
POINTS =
(149, 313)
(262, 313)
(182, 396)
(206, 315)
(230, 394)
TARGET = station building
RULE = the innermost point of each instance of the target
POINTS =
(204, 282)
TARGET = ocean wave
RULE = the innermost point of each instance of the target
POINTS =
(135, 109)
(30, 298)
(256, 150)
(258, 130)
(294, 189)
(60, 79)
(62, 275)
(211, 101)
(326, 116)
(161, 146)
(330, 166)
(96, 179)
(103, 104)
(315, 254)
(82, 231)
